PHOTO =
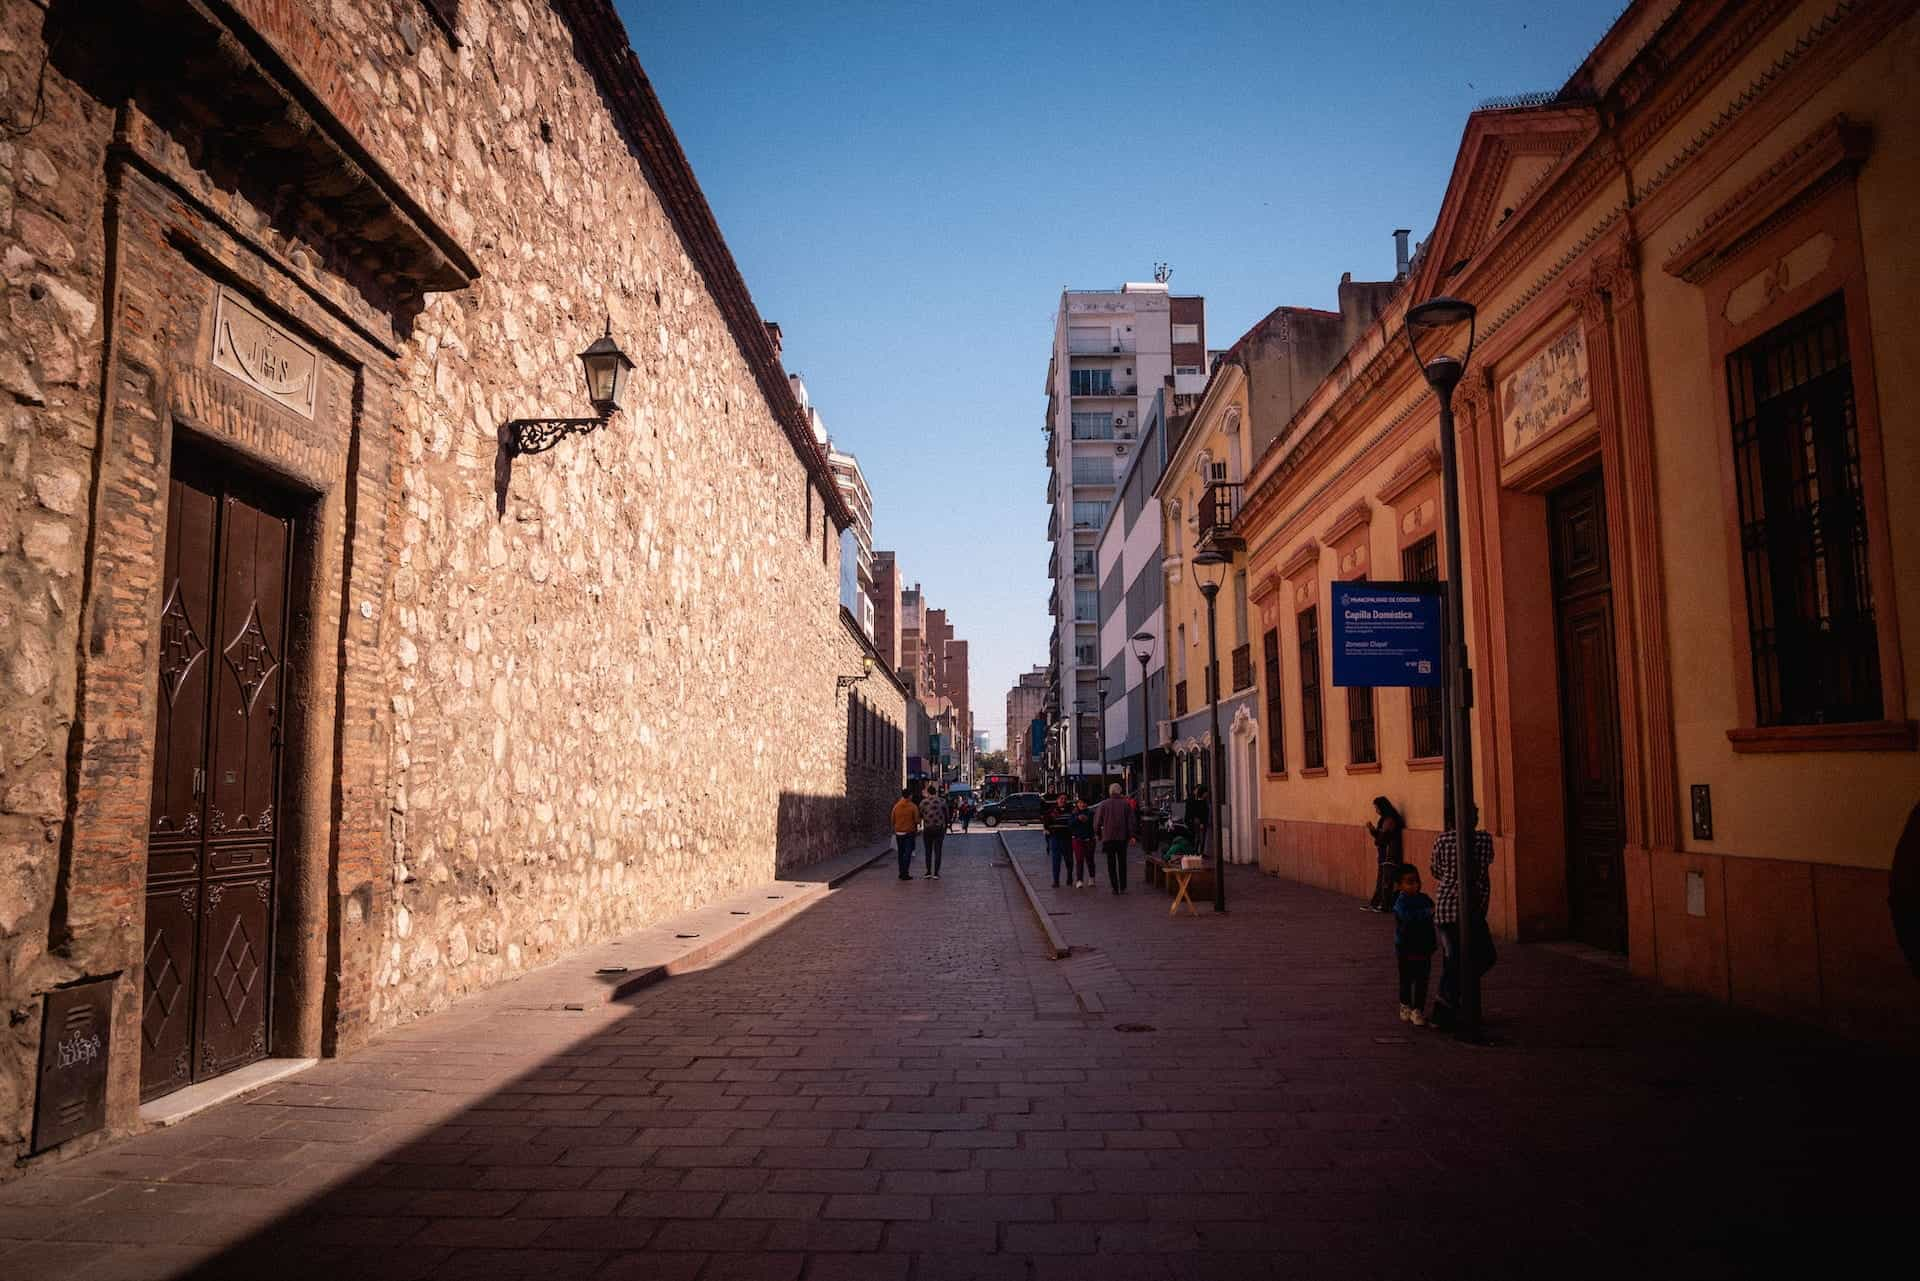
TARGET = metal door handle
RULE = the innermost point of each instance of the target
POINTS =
(199, 781)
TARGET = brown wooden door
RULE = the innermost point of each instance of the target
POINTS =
(212, 836)
(1589, 713)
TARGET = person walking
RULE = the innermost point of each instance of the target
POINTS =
(1413, 943)
(1081, 873)
(1454, 909)
(933, 827)
(1058, 823)
(1386, 833)
(1199, 816)
(966, 814)
(1116, 823)
(906, 821)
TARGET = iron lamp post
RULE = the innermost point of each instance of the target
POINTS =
(1436, 323)
(1209, 568)
(608, 371)
(1103, 683)
(1143, 650)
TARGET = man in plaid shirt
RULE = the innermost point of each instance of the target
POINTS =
(1446, 911)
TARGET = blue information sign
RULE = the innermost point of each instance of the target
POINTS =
(1386, 633)
(1037, 738)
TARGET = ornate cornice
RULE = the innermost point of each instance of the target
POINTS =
(1265, 587)
(1652, 67)
(1355, 516)
(1424, 462)
(1305, 557)
(1832, 153)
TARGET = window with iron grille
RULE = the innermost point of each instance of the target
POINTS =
(1313, 747)
(1179, 698)
(1242, 667)
(1803, 524)
(1276, 707)
(1420, 563)
(1361, 747)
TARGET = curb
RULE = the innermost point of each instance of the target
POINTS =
(748, 931)
(836, 882)
(1057, 947)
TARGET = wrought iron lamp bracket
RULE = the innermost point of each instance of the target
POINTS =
(848, 682)
(538, 435)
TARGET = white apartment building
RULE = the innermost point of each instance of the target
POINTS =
(856, 541)
(1113, 351)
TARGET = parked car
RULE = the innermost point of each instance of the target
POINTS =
(1020, 807)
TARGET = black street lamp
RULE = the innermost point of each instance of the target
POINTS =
(1143, 650)
(1209, 568)
(1428, 322)
(607, 369)
(1103, 683)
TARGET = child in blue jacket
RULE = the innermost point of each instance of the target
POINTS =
(1413, 944)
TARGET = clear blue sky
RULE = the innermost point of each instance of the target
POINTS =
(908, 186)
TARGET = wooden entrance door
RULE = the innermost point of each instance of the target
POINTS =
(1589, 713)
(212, 831)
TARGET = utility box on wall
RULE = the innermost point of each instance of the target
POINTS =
(71, 1098)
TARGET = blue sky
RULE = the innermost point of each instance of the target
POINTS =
(908, 186)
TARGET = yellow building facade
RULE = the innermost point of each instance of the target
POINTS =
(1691, 515)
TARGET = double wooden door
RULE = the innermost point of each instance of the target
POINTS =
(1589, 713)
(213, 833)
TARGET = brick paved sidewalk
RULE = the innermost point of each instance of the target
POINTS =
(897, 1084)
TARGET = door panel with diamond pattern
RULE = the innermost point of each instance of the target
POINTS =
(212, 840)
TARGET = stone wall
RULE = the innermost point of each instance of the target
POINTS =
(599, 682)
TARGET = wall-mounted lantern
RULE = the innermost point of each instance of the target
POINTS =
(608, 372)
(848, 682)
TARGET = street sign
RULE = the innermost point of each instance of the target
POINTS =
(1037, 738)
(1386, 633)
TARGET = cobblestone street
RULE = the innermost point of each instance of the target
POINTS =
(898, 1084)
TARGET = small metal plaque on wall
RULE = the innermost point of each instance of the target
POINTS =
(72, 1096)
(1702, 812)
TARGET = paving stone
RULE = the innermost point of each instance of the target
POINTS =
(1253, 1134)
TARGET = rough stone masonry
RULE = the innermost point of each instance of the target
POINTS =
(532, 701)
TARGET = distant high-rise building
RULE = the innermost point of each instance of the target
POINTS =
(856, 571)
(1025, 701)
(1113, 351)
(886, 608)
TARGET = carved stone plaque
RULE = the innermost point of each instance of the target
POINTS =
(1546, 393)
(264, 356)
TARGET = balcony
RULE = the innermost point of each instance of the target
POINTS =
(1084, 347)
(1053, 486)
(1053, 604)
(1219, 506)
(1097, 424)
(1053, 564)
(1084, 565)
(1243, 668)
(1109, 391)
(1053, 525)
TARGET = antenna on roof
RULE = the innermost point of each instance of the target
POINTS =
(1162, 273)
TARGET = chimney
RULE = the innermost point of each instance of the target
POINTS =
(1399, 254)
(773, 332)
